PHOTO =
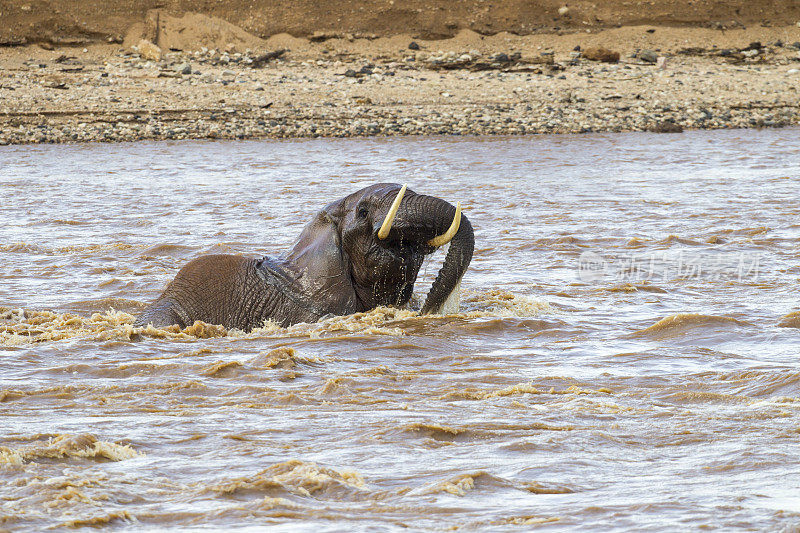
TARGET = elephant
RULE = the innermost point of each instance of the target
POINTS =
(358, 253)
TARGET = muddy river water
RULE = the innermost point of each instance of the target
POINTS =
(626, 355)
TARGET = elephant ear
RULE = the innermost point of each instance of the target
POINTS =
(321, 264)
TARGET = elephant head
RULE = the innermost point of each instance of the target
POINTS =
(376, 240)
(358, 253)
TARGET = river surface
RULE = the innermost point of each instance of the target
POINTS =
(626, 355)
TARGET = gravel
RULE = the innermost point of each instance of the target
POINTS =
(123, 97)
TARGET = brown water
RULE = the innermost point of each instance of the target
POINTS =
(627, 356)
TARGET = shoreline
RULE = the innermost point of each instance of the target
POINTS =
(468, 85)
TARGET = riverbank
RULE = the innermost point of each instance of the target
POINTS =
(70, 22)
(666, 79)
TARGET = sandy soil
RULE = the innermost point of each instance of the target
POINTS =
(92, 20)
(219, 83)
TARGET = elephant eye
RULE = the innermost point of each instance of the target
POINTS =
(362, 211)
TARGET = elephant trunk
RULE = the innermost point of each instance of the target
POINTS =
(423, 218)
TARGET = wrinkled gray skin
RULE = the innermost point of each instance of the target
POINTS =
(337, 267)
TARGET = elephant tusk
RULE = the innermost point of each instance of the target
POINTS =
(389, 220)
(448, 235)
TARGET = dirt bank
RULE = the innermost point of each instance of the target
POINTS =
(67, 21)
(666, 78)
